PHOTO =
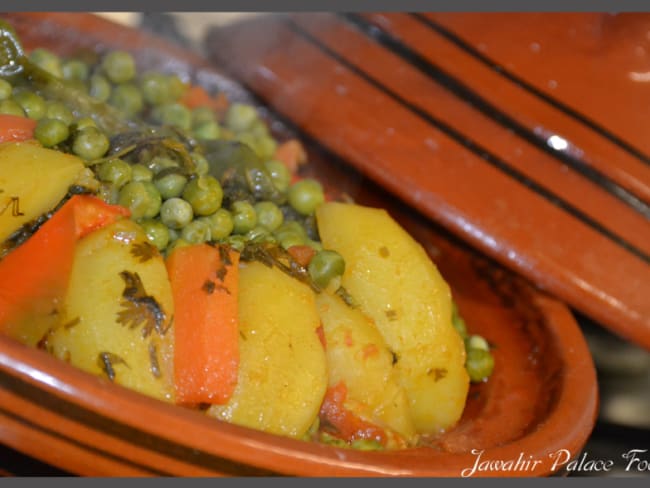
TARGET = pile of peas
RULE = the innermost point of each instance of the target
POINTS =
(173, 207)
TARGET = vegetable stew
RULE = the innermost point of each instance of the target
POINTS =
(196, 264)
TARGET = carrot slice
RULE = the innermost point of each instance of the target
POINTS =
(91, 213)
(16, 128)
(34, 276)
(291, 153)
(343, 423)
(196, 96)
(302, 254)
(204, 283)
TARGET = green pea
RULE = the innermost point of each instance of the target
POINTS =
(157, 233)
(290, 239)
(280, 175)
(75, 70)
(196, 232)
(330, 440)
(127, 98)
(221, 224)
(119, 66)
(306, 195)
(51, 132)
(58, 110)
(479, 364)
(205, 194)
(155, 88)
(46, 60)
(176, 213)
(244, 216)
(291, 227)
(208, 131)
(84, 122)
(90, 143)
(366, 445)
(201, 165)
(32, 104)
(202, 115)
(269, 215)
(142, 198)
(5, 89)
(477, 342)
(159, 163)
(265, 147)
(139, 172)
(115, 171)
(174, 114)
(324, 266)
(11, 107)
(240, 117)
(177, 87)
(100, 88)
(170, 185)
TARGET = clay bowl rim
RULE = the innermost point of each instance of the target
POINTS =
(567, 425)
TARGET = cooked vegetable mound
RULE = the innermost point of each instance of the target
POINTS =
(161, 238)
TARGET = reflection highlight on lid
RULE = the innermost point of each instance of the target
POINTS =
(558, 143)
(640, 77)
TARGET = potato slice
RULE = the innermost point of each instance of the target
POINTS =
(395, 283)
(358, 356)
(103, 324)
(33, 180)
(283, 373)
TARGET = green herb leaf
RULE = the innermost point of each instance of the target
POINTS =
(138, 308)
(144, 251)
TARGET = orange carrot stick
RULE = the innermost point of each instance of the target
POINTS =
(16, 128)
(204, 283)
(35, 275)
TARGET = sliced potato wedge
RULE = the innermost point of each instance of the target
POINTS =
(396, 284)
(33, 180)
(116, 318)
(283, 373)
(358, 357)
